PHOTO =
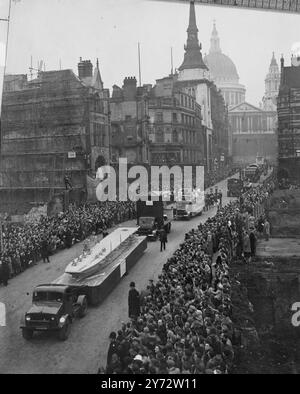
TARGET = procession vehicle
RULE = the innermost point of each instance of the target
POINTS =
(262, 164)
(88, 279)
(54, 307)
(190, 204)
(234, 187)
(252, 173)
(153, 214)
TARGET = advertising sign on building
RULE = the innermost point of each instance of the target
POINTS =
(72, 155)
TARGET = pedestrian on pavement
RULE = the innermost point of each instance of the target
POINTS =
(163, 239)
(45, 251)
(252, 237)
(134, 307)
(5, 273)
(246, 246)
(266, 229)
(220, 196)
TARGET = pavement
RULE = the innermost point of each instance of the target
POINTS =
(86, 348)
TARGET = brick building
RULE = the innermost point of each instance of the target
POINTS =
(129, 119)
(53, 126)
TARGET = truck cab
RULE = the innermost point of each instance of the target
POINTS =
(234, 187)
(54, 308)
(152, 216)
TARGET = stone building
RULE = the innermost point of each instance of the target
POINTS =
(175, 130)
(288, 108)
(252, 128)
(129, 120)
(53, 126)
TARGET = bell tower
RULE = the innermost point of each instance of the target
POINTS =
(272, 83)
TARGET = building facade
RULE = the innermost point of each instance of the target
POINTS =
(53, 126)
(289, 121)
(252, 129)
(129, 122)
(175, 128)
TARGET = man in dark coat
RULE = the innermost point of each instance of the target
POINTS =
(5, 273)
(252, 243)
(113, 347)
(163, 239)
(68, 239)
(134, 308)
(45, 251)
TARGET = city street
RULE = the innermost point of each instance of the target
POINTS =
(86, 348)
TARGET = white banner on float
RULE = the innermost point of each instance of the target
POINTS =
(122, 268)
(2, 315)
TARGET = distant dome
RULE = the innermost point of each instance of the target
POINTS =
(223, 72)
(221, 67)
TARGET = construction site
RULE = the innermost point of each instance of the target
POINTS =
(51, 126)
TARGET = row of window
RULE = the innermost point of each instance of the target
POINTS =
(186, 101)
(185, 156)
(176, 136)
(176, 117)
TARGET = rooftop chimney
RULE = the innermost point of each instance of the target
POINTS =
(85, 69)
(129, 88)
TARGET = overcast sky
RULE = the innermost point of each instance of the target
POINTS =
(51, 30)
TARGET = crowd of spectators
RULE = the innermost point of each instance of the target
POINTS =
(184, 320)
(23, 244)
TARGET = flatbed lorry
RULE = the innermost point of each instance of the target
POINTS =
(67, 297)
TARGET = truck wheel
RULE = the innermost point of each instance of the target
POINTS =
(64, 332)
(83, 308)
(27, 333)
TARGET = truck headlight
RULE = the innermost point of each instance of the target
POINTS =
(62, 319)
(28, 318)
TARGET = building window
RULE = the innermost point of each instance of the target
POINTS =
(174, 117)
(159, 135)
(175, 136)
(159, 117)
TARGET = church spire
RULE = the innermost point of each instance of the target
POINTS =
(214, 41)
(192, 28)
(192, 56)
(97, 82)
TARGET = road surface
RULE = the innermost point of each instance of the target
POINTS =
(86, 348)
